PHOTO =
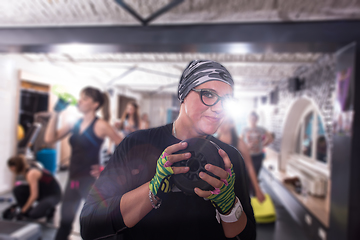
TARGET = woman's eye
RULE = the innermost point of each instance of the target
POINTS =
(208, 94)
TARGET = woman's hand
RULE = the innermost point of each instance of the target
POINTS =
(223, 196)
(135, 204)
(259, 195)
(61, 105)
(160, 183)
(129, 128)
(118, 124)
(96, 170)
(32, 177)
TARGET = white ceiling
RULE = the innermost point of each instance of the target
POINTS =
(33, 13)
(155, 72)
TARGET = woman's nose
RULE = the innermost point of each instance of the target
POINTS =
(218, 108)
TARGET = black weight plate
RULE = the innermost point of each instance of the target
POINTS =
(203, 151)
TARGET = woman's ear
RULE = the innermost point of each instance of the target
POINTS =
(96, 105)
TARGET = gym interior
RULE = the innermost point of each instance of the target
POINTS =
(295, 64)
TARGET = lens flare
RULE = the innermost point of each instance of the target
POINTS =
(233, 108)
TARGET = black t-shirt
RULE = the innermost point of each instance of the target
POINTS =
(179, 217)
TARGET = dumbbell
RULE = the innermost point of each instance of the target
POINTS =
(203, 151)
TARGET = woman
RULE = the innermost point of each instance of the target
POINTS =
(144, 121)
(227, 134)
(42, 189)
(134, 198)
(87, 137)
(256, 138)
(130, 120)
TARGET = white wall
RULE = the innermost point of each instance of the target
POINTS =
(156, 107)
(8, 118)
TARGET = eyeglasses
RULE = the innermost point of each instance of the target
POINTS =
(210, 98)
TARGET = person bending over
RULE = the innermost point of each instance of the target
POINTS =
(39, 197)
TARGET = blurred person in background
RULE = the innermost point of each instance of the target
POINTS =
(130, 120)
(256, 138)
(87, 136)
(144, 121)
(134, 198)
(227, 134)
(39, 197)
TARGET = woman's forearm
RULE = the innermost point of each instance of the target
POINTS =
(249, 165)
(50, 133)
(134, 205)
(252, 174)
(268, 139)
(233, 229)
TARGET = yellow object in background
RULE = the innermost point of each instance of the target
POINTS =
(264, 212)
(20, 132)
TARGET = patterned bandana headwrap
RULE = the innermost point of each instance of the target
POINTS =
(199, 72)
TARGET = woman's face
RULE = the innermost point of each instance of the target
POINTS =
(204, 119)
(86, 104)
(252, 121)
(130, 109)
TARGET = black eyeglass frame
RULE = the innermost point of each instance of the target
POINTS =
(201, 91)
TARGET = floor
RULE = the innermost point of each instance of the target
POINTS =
(285, 228)
(49, 230)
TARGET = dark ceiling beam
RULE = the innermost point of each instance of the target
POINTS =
(153, 16)
(163, 10)
(335, 31)
(130, 10)
(231, 48)
(182, 38)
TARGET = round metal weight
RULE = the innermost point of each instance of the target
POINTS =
(203, 151)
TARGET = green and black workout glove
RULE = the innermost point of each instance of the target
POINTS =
(223, 198)
(160, 184)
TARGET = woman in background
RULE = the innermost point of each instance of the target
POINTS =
(227, 134)
(256, 138)
(144, 121)
(130, 120)
(87, 136)
(42, 189)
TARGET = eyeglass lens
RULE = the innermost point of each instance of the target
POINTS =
(209, 98)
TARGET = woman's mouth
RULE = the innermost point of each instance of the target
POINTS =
(213, 119)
